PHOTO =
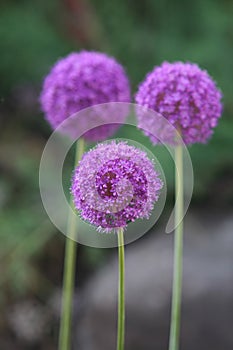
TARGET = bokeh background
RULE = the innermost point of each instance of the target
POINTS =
(140, 34)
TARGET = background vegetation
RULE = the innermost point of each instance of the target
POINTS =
(140, 34)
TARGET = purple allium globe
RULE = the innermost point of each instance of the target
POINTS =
(185, 95)
(82, 80)
(115, 184)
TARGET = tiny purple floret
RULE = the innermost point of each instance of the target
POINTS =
(184, 94)
(82, 80)
(115, 184)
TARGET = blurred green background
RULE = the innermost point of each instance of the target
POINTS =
(140, 34)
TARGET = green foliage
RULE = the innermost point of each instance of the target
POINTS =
(25, 228)
(140, 34)
(29, 44)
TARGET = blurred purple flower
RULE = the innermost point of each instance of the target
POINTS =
(115, 184)
(81, 80)
(185, 95)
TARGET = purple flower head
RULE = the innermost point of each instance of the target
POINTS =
(81, 80)
(115, 184)
(185, 95)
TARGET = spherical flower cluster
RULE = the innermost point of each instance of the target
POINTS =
(81, 80)
(185, 95)
(115, 184)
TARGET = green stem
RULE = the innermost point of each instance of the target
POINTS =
(121, 291)
(69, 269)
(178, 253)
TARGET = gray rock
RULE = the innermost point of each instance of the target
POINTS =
(207, 310)
(28, 321)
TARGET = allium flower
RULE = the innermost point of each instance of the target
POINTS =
(115, 184)
(81, 80)
(185, 95)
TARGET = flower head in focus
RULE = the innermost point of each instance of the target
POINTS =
(185, 95)
(115, 184)
(82, 80)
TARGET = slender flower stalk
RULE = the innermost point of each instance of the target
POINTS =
(121, 291)
(114, 185)
(189, 98)
(75, 82)
(69, 268)
(178, 253)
